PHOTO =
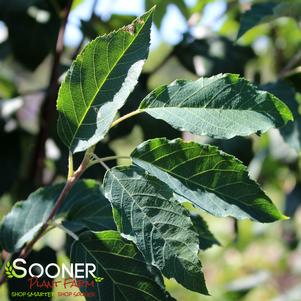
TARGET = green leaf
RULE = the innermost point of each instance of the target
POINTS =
(87, 208)
(8, 88)
(291, 132)
(214, 181)
(293, 201)
(33, 27)
(126, 275)
(206, 238)
(196, 55)
(161, 9)
(96, 26)
(265, 12)
(147, 213)
(99, 82)
(221, 106)
(84, 207)
(200, 5)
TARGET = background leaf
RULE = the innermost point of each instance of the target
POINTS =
(32, 28)
(212, 55)
(161, 8)
(267, 11)
(206, 238)
(96, 26)
(84, 207)
(291, 132)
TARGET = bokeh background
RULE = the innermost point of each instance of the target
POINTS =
(190, 38)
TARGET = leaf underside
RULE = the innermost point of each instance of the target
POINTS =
(221, 106)
(147, 213)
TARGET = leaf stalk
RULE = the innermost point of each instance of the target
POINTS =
(70, 166)
(127, 116)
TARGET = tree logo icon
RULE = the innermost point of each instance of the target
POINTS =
(98, 279)
(10, 272)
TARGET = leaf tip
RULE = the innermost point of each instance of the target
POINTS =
(284, 217)
(239, 35)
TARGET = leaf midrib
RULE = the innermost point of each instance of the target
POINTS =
(202, 108)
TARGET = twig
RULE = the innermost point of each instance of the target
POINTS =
(291, 63)
(100, 161)
(292, 71)
(48, 108)
(104, 165)
(47, 113)
(3, 279)
(69, 232)
(109, 158)
(7, 259)
(69, 184)
(97, 160)
(2, 274)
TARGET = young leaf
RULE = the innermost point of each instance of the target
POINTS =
(26, 217)
(206, 238)
(212, 180)
(125, 274)
(265, 12)
(221, 106)
(146, 212)
(99, 82)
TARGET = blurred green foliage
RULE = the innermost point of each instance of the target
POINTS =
(255, 262)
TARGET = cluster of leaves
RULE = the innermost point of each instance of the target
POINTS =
(136, 223)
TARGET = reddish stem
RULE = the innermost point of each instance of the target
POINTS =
(49, 105)
(68, 186)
